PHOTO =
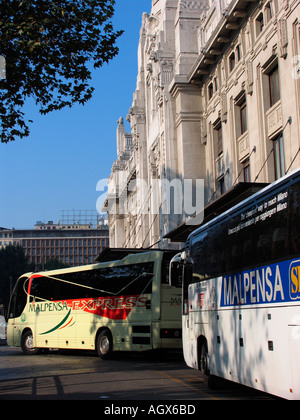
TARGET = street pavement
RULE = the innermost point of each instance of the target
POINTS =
(77, 375)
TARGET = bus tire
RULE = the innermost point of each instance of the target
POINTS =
(104, 344)
(27, 344)
(203, 358)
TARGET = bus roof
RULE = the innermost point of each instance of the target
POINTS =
(127, 257)
(113, 254)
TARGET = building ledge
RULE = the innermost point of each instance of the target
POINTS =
(232, 20)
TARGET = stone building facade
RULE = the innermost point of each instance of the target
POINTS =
(217, 98)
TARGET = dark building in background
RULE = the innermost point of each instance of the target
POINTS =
(73, 244)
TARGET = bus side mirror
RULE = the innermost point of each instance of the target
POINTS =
(176, 271)
(176, 274)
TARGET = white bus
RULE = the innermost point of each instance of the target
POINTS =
(126, 304)
(240, 275)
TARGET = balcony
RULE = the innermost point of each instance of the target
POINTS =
(243, 146)
(274, 120)
(220, 167)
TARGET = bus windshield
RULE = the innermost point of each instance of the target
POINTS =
(18, 298)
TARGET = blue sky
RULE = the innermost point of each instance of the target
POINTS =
(58, 166)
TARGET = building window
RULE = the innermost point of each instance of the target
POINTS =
(268, 12)
(241, 122)
(222, 185)
(218, 153)
(274, 91)
(243, 116)
(216, 86)
(246, 170)
(210, 90)
(231, 61)
(238, 52)
(279, 157)
(212, 87)
(259, 23)
(218, 139)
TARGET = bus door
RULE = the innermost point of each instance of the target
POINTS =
(170, 297)
(170, 307)
(46, 314)
(12, 330)
(181, 275)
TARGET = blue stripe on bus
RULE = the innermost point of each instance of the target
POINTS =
(273, 283)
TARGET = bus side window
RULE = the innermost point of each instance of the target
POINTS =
(294, 219)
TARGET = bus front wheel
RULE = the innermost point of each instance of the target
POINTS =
(203, 358)
(105, 344)
(27, 344)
